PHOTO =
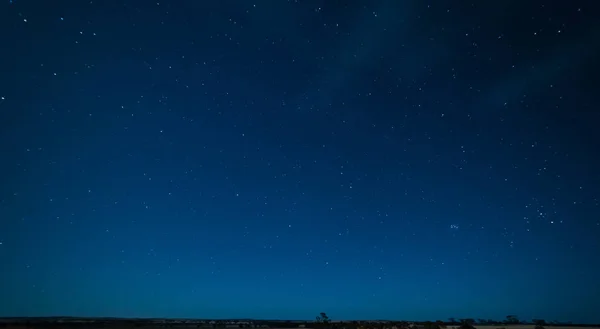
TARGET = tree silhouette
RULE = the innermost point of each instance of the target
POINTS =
(512, 319)
(430, 325)
(323, 318)
(539, 323)
(466, 324)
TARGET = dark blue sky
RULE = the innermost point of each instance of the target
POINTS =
(276, 159)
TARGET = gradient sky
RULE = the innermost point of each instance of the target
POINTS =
(372, 159)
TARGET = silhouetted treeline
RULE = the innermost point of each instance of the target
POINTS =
(321, 322)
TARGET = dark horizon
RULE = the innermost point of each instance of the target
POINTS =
(494, 321)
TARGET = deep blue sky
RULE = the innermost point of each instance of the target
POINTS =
(276, 159)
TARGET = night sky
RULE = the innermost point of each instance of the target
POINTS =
(412, 160)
